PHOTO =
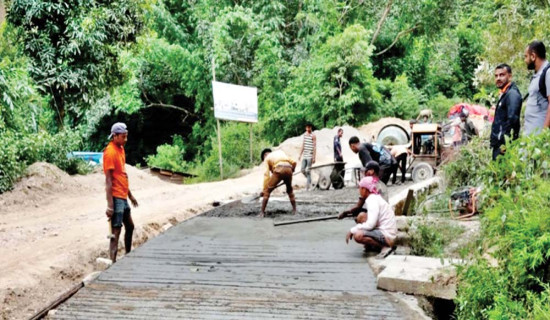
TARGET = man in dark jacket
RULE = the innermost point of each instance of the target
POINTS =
(506, 122)
(376, 152)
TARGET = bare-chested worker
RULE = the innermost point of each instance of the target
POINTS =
(117, 189)
(278, 167)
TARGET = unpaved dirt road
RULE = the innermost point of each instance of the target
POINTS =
(53, 227)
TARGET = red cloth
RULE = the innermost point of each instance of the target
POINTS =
(472, 109)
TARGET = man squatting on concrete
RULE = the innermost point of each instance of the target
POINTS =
(507, 112)
(537, 116)
(376, 228)
(307, 154)
(372, 169)
(278, 167)
(117, 189)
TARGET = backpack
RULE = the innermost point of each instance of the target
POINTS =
(542, 82)
(385, 155)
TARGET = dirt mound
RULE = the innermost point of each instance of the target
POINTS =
(325, 140)
(40, 180)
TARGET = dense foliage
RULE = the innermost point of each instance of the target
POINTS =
(85, 64)
(68, 69)
(515, 232)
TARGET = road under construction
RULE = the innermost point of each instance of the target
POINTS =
(228, 264)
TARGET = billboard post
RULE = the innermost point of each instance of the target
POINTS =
(235, 103)
(218, 124)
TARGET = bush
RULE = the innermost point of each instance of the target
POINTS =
(429, 238)
(235, 152)
(20, 150)
(464, 169)
(516, 225)
(10, 166)
(169, 157)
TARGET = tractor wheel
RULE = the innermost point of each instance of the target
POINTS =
(422, 171)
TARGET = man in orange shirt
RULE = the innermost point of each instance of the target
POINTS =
(117, 189)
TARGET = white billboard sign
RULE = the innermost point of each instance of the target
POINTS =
(233, 102)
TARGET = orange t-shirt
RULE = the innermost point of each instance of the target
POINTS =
(114, 159)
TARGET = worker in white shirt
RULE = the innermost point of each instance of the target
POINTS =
(376, 228)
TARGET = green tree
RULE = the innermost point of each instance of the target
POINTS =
(73, 47)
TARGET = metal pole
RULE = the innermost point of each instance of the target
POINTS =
(218, 125)
(220, 149)
(251, 144)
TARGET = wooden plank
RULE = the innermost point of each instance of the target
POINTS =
(408, 200)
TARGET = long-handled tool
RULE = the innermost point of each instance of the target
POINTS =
(110, 235)
(255, 197)
(283, 223)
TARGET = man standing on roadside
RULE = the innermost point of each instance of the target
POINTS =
(400, 154)
(338, 157)
(278, 167)
(536, 110)
(508, 109)
(307, 154)
(468, 128)
(117, 189)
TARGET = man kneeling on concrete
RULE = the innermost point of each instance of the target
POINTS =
(279, 167)
(376, 228)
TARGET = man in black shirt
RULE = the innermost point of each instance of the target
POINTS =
(376, 152)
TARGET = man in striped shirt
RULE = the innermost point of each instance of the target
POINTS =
(307, 154)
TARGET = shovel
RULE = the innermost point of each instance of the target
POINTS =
(252, 198)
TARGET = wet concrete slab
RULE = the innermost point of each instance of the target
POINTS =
(309, 204)
(238, 268)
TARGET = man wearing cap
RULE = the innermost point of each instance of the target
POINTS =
(117, 189)
(377, 227)
(278, 167)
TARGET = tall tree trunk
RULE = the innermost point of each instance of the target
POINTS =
(58, 106)
(381, 21)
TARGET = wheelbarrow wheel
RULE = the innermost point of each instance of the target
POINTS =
(422, 171)
(324, 183)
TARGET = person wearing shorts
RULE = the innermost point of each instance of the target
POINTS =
(376, 228)
(278, 168)
(117, 189)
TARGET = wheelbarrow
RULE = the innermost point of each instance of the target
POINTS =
(330, 174)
